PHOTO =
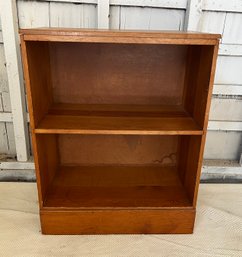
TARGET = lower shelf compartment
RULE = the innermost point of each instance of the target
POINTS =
(103, 187)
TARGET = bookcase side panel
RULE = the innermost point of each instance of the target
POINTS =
(210, 61)
(205, 84)
(199, 78)
(189, 162)
(38, 79)
(46, 156)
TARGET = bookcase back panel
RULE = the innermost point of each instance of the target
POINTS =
(117, 73)
(117, 149)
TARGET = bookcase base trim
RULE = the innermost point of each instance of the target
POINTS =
(117, 221)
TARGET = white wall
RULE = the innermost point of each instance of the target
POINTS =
(220, 16)
(7, 142)
(226, 105)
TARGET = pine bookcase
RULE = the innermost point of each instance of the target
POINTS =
(118, 121)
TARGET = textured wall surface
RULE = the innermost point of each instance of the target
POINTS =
(225, 128)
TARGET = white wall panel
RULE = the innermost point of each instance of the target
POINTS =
(3, 137)
(223, 145)
(10, 29)
(223, 5)
(151, 18)
(1, 36)
(73, 15)
(1, 104)
(232, 90)
(226, 109)
(1, 39)
(7, 143)
(230, 49)
(218, 125)
(212, 22)
(228, 70)
(5, 98)
(114, 19)
(233, 29)
(3, 72)
(6, 102)
(10, 138)
(218, 16)
(181, 4)
(33, 14)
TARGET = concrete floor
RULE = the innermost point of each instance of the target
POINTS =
(218, 229)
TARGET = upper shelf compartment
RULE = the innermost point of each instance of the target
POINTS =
(116, 87)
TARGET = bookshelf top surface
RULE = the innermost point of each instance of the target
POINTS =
(59, 34)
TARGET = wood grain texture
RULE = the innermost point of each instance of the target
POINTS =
(119, 150)
(207, 103)
(119, 33)
(197, 82)
(200, 74)
(116, 187)
(119, 36)
(122, 40)
(204, 86)
(117, 110)
(65, 124)
(46, 162)
(117, 73)
(118, 129)
(190, 163)
(38, 79)
(117, 221)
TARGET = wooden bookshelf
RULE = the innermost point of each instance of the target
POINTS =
(118, 121)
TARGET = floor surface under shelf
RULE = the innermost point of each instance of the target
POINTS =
(218, 229)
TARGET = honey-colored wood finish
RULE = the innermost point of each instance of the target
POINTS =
(116, 187)
(118, 125)
(114, 36)
(122, 221)
(118, 121)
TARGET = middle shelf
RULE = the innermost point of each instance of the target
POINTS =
(118, 119)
